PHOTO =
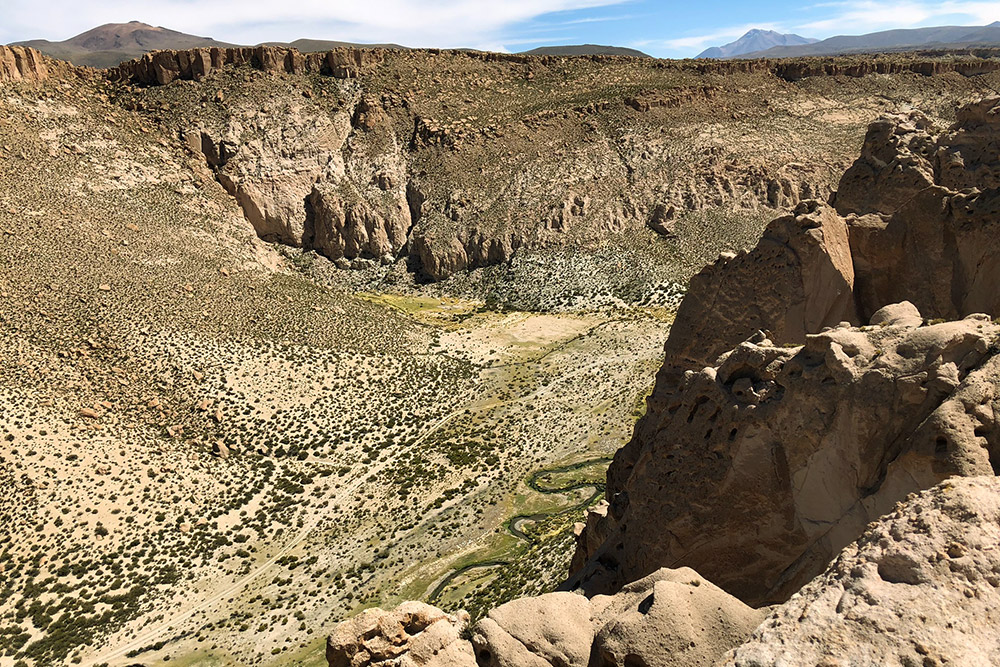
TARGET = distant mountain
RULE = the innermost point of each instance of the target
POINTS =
(317, 45)
(585, 50)
(891, 40)
(108, 45)
(755, 40)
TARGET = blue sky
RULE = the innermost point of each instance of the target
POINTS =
(665, 28)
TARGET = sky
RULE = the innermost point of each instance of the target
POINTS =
(663, 28)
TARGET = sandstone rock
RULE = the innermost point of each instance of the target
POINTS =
(893, 167)
(552, 629)
(940, 250)
(19, 63)
(345, 225)
(920, 587)
(903, 314)
(909, 189)
(906, 237)
(805, 262)
(412, 635)
(761, 468)
(672, 618)
(661, 220)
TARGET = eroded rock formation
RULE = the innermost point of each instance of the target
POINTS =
(162, 67)
(672, 618)
(920, 587)
(762, 467)
(901, 233)
(779, 430)
(412, 635)
(19, 63)
(376, 129)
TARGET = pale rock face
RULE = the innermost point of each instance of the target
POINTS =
(295, 187)
(763, 466)
(671, 618)
(907, 237)
(412, 635)
(344, 224)
(803, 260)
(19, 63)
(552, 629)
(920, 587)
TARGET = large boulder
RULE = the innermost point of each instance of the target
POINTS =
(552, 629)
(412, 635)
(920, 587)
(766, 464)
(672, 618)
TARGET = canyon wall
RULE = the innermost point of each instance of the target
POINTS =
(455, 161)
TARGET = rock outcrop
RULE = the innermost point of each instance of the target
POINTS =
(920, 587)
(900, 232)
(19, 63)
(762, 467)
(926, 213)
(412, 635)
(162, 67)
(420, 130)
(295, 186)
(672, 618)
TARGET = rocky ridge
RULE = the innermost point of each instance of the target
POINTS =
(160, 68)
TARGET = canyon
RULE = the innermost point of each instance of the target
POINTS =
(296, 340)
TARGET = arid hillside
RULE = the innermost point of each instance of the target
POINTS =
(462, 160)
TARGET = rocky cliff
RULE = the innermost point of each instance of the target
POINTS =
(162, 67)
(913, 219)
(799, 419)
(457, 160)
(19, 63)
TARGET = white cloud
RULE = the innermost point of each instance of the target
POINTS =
(848, 17)
(855, 17)
(443, 23)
